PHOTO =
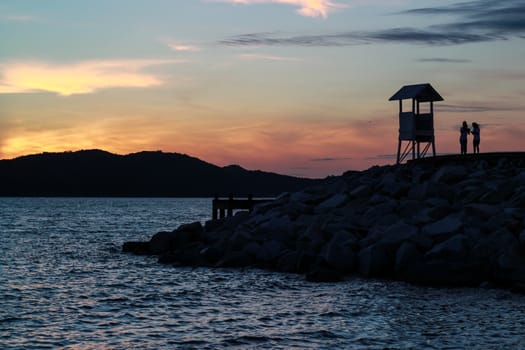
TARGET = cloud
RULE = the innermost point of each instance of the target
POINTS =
(18, 18)
(252, 56)
(383, 157)
(496, 19)
(478, 107)
(395, 35)
(442, 60)
(330, 159)
(77, 78)
(308, 8)
(184, 47)
(468, 22)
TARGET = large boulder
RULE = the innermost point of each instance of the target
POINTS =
(324, 274)
(509, 270)
(407, 255)
(269, 252)
(398, 233)
(287, 262)
(445, 273)
(164, 241)
(375, 260)
(138, 248)
(443, 228)
(276, 228)
(335, 201)
(453, 249)
(339, 253)
(450, 174)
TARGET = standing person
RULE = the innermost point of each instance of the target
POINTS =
(464, 131)
(475, 131)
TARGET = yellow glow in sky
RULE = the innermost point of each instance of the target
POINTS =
(77, 78)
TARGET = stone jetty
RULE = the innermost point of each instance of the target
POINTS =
(443, 221)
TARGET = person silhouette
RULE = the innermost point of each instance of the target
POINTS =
(476, 132)
(464, 131)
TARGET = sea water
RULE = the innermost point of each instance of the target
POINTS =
(64, 283)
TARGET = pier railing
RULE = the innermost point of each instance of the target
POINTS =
(226, 206)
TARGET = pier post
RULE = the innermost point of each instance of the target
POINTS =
(230, 205)
(215, 209)
(250, 202)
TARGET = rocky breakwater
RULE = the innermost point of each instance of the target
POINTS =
(453, 221)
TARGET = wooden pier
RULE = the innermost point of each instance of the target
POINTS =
(226, 206)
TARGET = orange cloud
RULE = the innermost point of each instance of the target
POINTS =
(308, 8)
(77, 78)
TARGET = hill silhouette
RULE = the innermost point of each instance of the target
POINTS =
(156, 174)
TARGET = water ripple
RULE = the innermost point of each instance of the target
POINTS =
(65, 284)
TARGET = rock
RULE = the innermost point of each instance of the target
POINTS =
(510, 270)
(375, 260)
(518, 198)
(442, 191)
(406, 256)
(503, 241)
(212, 225)
(277, 228)
(454, 248)
(193, 228)
(252, 249)
(269, 252)
(211, 254)
(331, 203)
(440, 211)
(437, 222)
(418, 191)
(376, 213)
(444, 273)
(191, 255)
(138, 248)
(522, 238)
(235, 259)
(495, 223)
(305, 262)
(409, 208)
(361, 191)
(481, 211)
(287, 262)
(324, 274)
(422, 242)
(340, 255)
(443, 228)
(450, 174)
(398, 233)
(313, 235)
(501, 192)
(165, 241)
(393, 186)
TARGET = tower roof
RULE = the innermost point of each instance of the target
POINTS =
(420, 92)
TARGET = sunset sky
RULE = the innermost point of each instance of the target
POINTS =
(298, 87)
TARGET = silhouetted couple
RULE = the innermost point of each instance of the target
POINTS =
(464, 132)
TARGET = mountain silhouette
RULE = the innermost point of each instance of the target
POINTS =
(97, 173)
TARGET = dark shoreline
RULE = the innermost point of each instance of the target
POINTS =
(96, 173)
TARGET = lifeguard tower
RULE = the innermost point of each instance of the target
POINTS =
(416, 126)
